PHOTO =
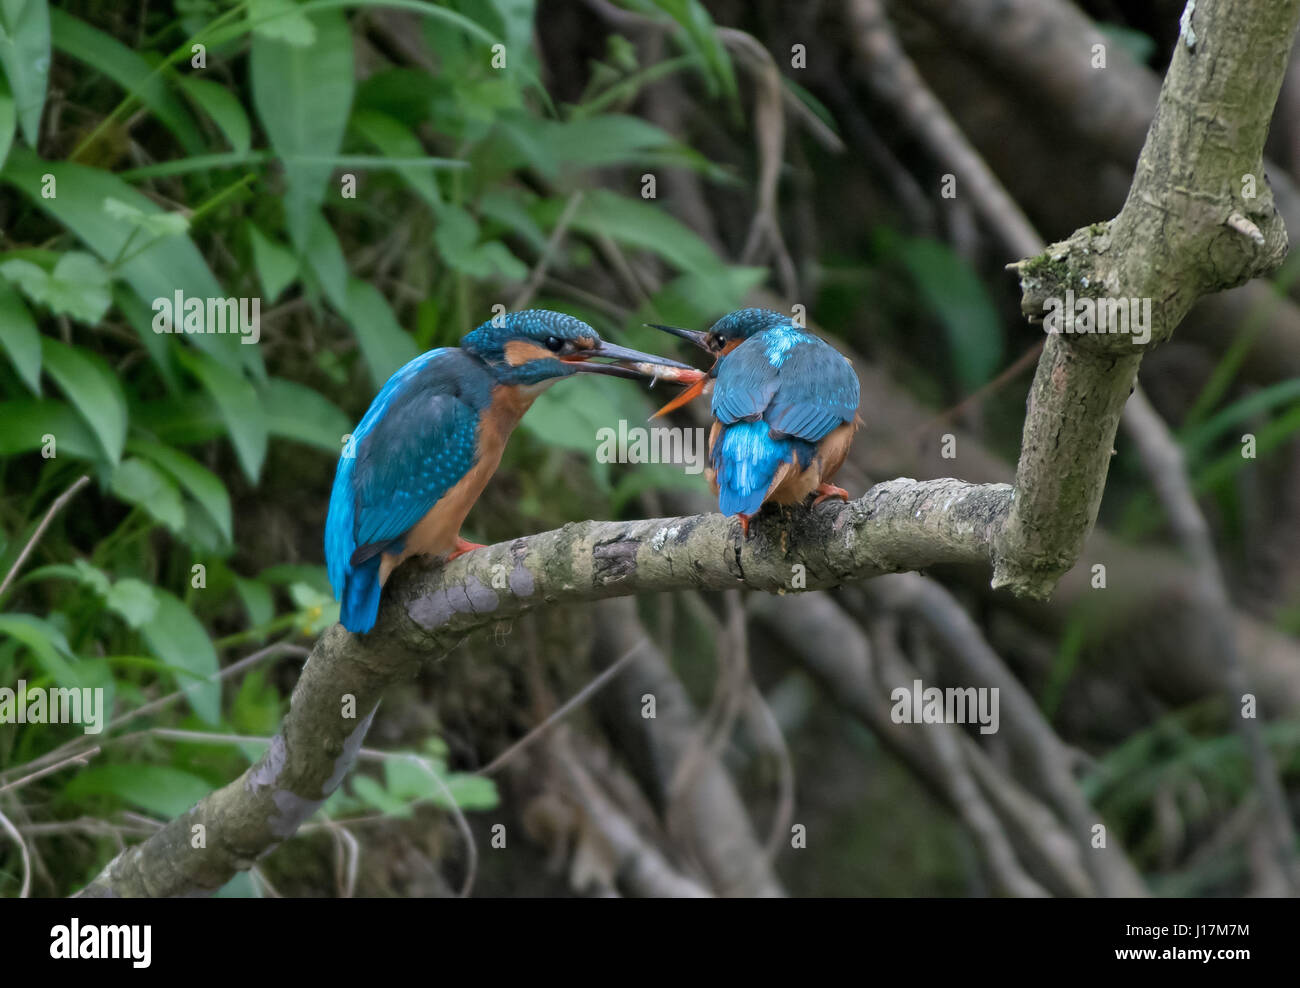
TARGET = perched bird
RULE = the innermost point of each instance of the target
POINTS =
(785, 408)
(434, 435)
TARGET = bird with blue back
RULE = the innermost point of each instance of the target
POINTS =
(785, 408)
(434, 435)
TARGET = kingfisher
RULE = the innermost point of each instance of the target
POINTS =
(434, 435)
(785, 408)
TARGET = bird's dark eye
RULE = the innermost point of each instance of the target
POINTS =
(716, 342)
(554, 344)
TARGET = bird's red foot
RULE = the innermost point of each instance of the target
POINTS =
(744, 525)
(461, 547)
(829, 490)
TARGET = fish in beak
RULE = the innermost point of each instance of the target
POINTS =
(632, 364)
(703, 385)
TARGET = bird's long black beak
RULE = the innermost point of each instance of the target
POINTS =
(696, 336)
(633, 364)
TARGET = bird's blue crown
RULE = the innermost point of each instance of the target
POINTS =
(744, 323)
(553, 331)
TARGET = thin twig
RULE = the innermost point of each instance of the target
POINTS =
(548, 252)
(53, 510)
(563, 710)
(80, 758)
(12, 831)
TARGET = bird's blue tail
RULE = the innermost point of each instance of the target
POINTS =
(360, 597)
(746, 458)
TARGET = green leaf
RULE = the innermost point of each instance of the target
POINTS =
(8, 120)
(589, 142)
(372, 794)
(303, 95)
(289, 573)
(138, 482)
(281, 20)
(93, 389)
(457, 240)
(701, 36)
(28, 421)
(223, 107)
(410, 780)
(133, 600)
(384, 344)
(131, 71)
(176, 637)
(157, 271)
(155, 224)
(324, 257)
(276, 266)
(257, 707)
(257, 601)
(694, 298)
(47, 645)
(92, 576)
(237, 401)
(199, 482)
(316, 610)
(158, 345)
(77, 287)
(637, 223)
(20, 338)
(25, 57)
(507, 207)
(161, 790)
(957, 296)
(516, 22)
(1198, 439)
(295, 411)
(469, 792)
(394, 140)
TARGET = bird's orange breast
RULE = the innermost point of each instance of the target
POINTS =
(435, 534)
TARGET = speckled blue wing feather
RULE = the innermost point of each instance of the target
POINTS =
(798, 384)
(416, 440)
(746, 384)
(417, 453)
(818, 392)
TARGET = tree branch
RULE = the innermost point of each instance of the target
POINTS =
(1174, 241)
(428, 609)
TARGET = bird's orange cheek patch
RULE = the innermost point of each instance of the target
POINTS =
(520, 352)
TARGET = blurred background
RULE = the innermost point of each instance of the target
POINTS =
(380, 176)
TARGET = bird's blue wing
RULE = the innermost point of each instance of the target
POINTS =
(800, 387)
(417, 439)
(818, 392)
(412, 457)
(746, 383)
